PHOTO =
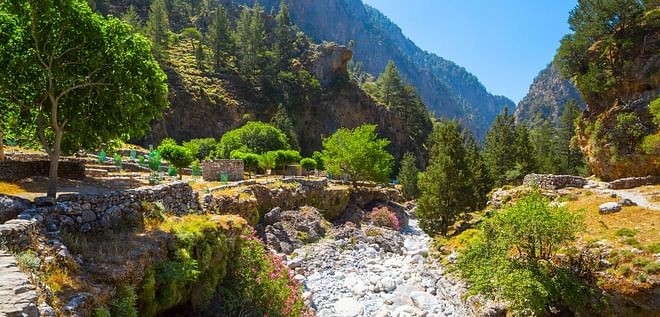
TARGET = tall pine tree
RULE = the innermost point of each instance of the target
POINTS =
(284, 40)
(570, 157)
(251, 42)
(446, 190)
(498, 150)
(158, 27)
(480, 182)
(219, 38)
(408, 176)
(131, 17)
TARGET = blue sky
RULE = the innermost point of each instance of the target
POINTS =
(504, 43)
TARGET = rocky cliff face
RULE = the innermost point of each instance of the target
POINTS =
(546, 98)
(446, 88)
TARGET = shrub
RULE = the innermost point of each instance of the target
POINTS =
(177, 155)
(28, 260)
(102, 312)
(632, 242)
(383, 217)
(196, 169)
(253, 137)
(124, 303)
(652, 268)
(200, 148)
(654, 248)
(250, 160)
(260, 280)
(626, 232)
(510, 259)
(318, 157)
(308, 164)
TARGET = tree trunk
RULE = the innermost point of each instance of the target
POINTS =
(54, 165)
(2, 146)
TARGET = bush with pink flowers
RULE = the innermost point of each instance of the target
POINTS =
(262, 283)
(383, 217)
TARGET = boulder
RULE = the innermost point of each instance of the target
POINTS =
(608, 208)
(11, 207)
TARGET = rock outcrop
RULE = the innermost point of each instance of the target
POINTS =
(11, 206)
(331, 62)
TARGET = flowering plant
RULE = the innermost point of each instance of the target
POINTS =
(383, 217)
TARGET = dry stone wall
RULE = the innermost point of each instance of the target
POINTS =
(124, 208)
(632, 182)
(550, 181)
(14, 170)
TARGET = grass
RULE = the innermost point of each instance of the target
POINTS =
(8, 188)
(635, 219)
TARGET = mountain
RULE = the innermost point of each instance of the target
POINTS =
(546, 98)
(447, 89)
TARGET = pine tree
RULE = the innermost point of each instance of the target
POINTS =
(480, 182)
(284, 41)
(251, 42)
(219, 38)
(570, 157)
(544, 141)
(408, 176)
(158, 26)
(131, 17)
(446, 190)
(524, 155)
(499, 151)
(390, 86)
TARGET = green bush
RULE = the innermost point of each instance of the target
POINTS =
(102, 312)
(511, 259)
(626, 232)
(253, 137)
(652, 268)
(28, 260)
(124, 303)
(308, 164)
(632, 242)
(117, 161)
(201, 148)
(196, 168)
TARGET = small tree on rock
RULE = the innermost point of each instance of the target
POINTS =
(308, 164)
(359, 154)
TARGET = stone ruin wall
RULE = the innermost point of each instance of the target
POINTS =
(211, 170)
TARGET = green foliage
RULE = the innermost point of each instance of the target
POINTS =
(117, 160)
(408, 175)
(102, 312)
(253, 137)
(260, 280)
(28, 260)
(196, 168)
(131, 17)
(250, 160)
(219, 38)
(250, 38)
(626, 232)
(283, 48)
(480, 182)
(508, 152)
(608, 54)
(171, 171)
(359, 154)
(510, 260)
(654, 108)
(141, 160)
(318, 157)
(124, 303)
(158, 26)
(176, 155)
(308, 164)
(100, 94)
(200, 148)
(446, 186)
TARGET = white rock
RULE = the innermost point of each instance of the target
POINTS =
(348, 307)
(608, 208)
(423, 300)
(386, 284)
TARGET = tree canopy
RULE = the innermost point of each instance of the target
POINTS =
(359, 154)
(254, 137)
(77, 87)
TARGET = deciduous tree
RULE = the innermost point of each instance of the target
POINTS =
(76, 84)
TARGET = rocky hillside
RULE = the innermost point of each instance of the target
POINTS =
(446, 88)
(546, 98)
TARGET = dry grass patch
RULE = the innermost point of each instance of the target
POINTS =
(14, 189)
(644, 221)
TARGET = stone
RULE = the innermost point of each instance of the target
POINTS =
(348, 307)
(627, 202)
(386, 284)
(608, 208)
(44, 201)
(423, 300)
(11, 207)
